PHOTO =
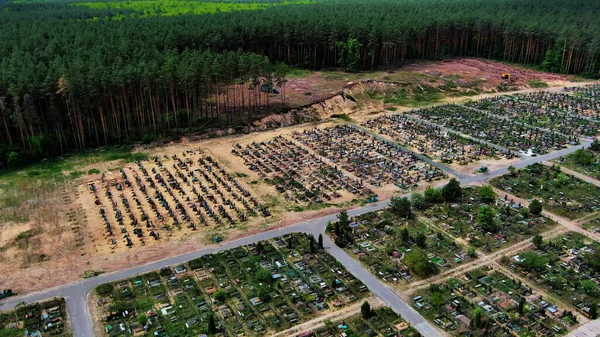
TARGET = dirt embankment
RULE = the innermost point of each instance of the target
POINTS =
(341, 102)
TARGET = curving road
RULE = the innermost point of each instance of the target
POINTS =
(76, 294)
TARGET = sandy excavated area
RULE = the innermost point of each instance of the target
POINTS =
(488, 71)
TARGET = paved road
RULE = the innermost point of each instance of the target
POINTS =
(76, 293)
(591, 329)
(386, 294)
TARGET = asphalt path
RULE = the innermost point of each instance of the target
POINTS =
(76, 294)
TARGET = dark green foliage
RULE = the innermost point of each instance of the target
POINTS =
(105, 289)
(521, 305)
(433, 195)
(212, 327)
(320, 244)
(365, 310)
(404, 235)
(220, 295)
(418, 201)
(594, 311)
(264, 293)
(487, 194)
(471, 252)
(420, 240)
(349, 54)
(593, 260)
(343, 219)
(533, 260)
(401, 207)
(583, 157)
(452, 191)
(538, 241)
(535, 207)
(485, 218)
(263, 275)
(83, 77)
(418, 263)
(595, 146)
(313, 249)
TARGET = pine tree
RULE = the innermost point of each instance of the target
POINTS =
(594, 311)
(535, 207)
(320, 245)
(365, 310)
(452, 191)
(212, 327)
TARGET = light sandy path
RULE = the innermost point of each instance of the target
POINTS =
(335, 316)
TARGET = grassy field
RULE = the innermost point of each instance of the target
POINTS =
(583, 161)
(171, 7)
(19, 186)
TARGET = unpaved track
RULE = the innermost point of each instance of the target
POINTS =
(335, 316)
(580, 175)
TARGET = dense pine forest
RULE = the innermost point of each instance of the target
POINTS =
(77, 75)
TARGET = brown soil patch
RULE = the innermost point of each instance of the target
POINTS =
(488, 72)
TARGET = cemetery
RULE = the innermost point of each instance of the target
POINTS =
(575, 104)
(487, 221)
(434, 231)
(373, 161)
(592, 225)
(441, 145)
(387, 244)
(591, 92)
(47, 318)
(152, 199)
(584, 161)
(300, 175)
(251, 290)
(380, 322)
(567, 267)
(546, 110)
(560, 193)
(485, 302)
(495, 129)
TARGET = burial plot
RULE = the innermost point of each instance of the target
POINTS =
(446, 147)
(300, 175)
(500, 131)
(489, 303)
(544, 110)
(568, 267)
(560, 193)
(160, 197)
(373, 161)
(254, 290)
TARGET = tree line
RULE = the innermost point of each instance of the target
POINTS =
(73, 77)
